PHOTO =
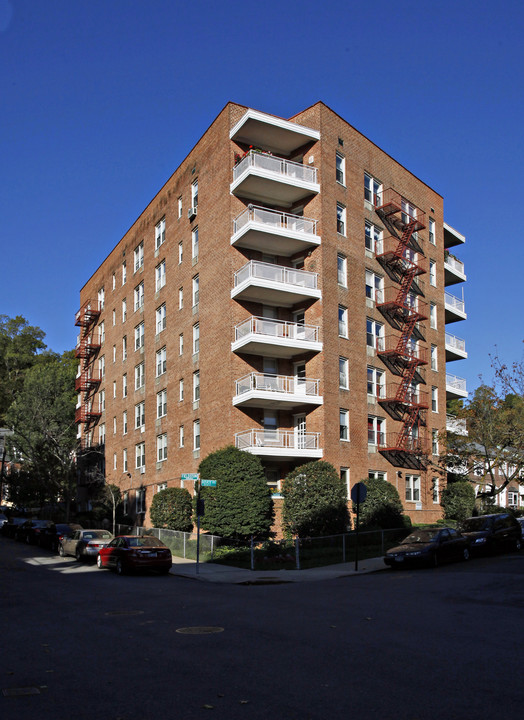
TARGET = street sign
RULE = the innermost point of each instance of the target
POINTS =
(359, 492)
(189, 476)
(208, 483)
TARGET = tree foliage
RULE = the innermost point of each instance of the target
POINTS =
(240, 505)
(315, 501)
(172, 508)
(458, 500)
(382, 507)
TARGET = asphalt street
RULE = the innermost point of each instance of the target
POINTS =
(80, 643)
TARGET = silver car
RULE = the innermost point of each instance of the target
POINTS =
(84, 544)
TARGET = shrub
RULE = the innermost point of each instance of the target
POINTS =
(240, 505)
(382, 507)
(172, 508)
(458, 500)
(315, 501)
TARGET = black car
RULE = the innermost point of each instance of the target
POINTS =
(493, 533)
(429, 546)
(51, 535)
(9, 528)
(28, 531)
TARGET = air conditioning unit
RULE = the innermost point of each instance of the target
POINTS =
(191, 213)
(142, 470)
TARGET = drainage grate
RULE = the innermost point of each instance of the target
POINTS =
(200, 630)
(17, 692)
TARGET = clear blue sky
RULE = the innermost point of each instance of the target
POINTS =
(102, 99)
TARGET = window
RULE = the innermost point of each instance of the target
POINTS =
(344, 476)
(140, 376)
(195, 291)
(180, 298)
(341, 219)
(374, 286)
(124, 310)
(124, 422)
(114, 317)
(434, 441)
(412, 488)
(140, 415)
(376, 382)
(196, 434)
(139, 256)
(160, 233)
(344, 424)
(101, 332)
(141, 501)
(139, 336)
(161, 486)
(513, 499)
(434, 399)
(409, 211)
(194, 194)
(342, 321)
(124, 273)
(160, 275)
(342, 270)
(433, 273)
(433, 316)
(124, 467)
(124, 347)
(432, 238)
(139, 296)
(102, 366)
(101, 400)
(374, 334)
(436, 490)
(161, 448)
(373, 238)
(114, 353)
(341, 169)
(376, 475)
(124, 385)
(343, 379)
(140, 455)
(194, 244)
(372, 190)
(101, 298)
(196, 338)
(434, 357)
(181, 436)
(181, 344)
(376, 430)
(196, 386)
(114, 461)
(161, 361)
(180, 206)
(160, 318)
(161, 404)
(181, 389)
(180, 252)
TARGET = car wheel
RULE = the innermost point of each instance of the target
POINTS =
(119, 567)
(465, 554)
(99, 562)
(78, 555)
(61, 551)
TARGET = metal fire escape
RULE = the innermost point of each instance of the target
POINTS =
(404, 309)
(87, 382)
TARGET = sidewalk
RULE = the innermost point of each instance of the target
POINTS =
(213, 572)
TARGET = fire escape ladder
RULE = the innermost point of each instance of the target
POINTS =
(86, 351)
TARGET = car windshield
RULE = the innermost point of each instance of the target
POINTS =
(476, 524)
(146, 541)
(421, 536)
(98, 535)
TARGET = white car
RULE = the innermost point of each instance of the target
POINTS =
(84, 544)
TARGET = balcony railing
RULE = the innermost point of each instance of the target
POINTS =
(455, 264)
(287, 384)
(277, 274)
(456, 383)
(277, 329)
(455, 343)
(277, 439)
(456, 425)
(454, 303)
(276, 166)
(275, 220)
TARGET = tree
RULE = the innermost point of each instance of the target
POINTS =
(240, 505)
(43, 420)
(458, 500)
(172, 508)
(315, 501)
(382, 507)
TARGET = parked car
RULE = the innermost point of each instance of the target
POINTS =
(520, 521)
(84, 544)
(9, 528)
(429, 546)
(493, 533)
(50, 536)
(3, 519)
(28, 531)
(135, 552)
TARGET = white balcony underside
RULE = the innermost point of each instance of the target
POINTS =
(271, 133)
(455, 388)
(453, 353)
(452, 237)
(274, 347)
(453, 314)
(281, 453)
(267, 187)
(273, 293)
(273, 241)
(452, 275)
(275, 400)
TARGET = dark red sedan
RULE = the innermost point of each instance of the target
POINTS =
(135, 552)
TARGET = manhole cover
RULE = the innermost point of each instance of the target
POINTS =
(125, 612)
(16, 692)
(200, 630)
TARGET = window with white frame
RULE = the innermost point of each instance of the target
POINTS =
(433, 316)
(140, 455)
(434, 399)
(341, 219)
(372, 190)
(141, 501)
(161, 361)
(194, 194)
(409, 211)
(101, 401)
(180, 298)
(179, 204)
(114, 461)
(124, 422)
(340, 169)
(344, 476)
(344, 424)
(434, 441)
(101, 298)
(124, 385)
(161, 447)
(194, 244)
(180, 252)
(376, 380)
(434, 357)
(102, 366)
(342, 321)
(160, 275)
(114, 317)
(433, 273)
(195, 291)
(181, 344)
(513, 499)
(102, 333)
(413, 488)
(124, 273)
(139, 256)
(160, 233)
(140, 376)
(181, 436)
(113, 281)
(374, 286)
(140, 415)
(376, 430)
(342, 270)
(373, 238)
(124, 468)
(196, 434)
(160, 318)
(343, 373)
(161, 403)
(102, 434)
(435, 490)
(432, 237)
(196, 386)
(124, 310)
(139, 336)
(376, 475)
(114, 353)
(181, 389)
(196, 338)
(374, 334)
(139, 296)
(124, 347)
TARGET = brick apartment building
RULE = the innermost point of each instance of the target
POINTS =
(285, 292)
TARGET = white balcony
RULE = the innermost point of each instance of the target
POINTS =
(456, 425)
(273, 232)
(452, 237)
(455, 387)
(274, 284)
(455, 348)
(275, 338)
(270, 391)
(454, 308)
(453, 270)
(272, 133)
(277, 444)
(267, 178)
